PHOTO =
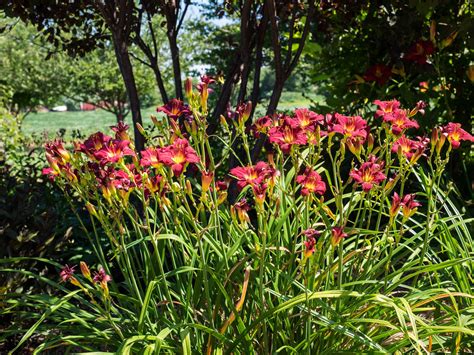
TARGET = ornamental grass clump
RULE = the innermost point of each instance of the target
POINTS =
(342, 235)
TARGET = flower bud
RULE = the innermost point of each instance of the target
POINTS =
(433, 31)
(449, 40)
(188, 87)
(85, 270)
(91, 209)
(155, 121)
(141, 129)
(470, 73)
(222, 196)
(370, 143)
(189, 188)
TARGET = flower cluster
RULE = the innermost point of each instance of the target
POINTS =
(398, 118)
(407, 203)
(104, 158)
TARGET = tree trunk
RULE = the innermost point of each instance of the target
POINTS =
(159, 82)
(174, 49)
(123, 60)
(275, 98)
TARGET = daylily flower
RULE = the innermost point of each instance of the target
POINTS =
(241, 207)
(379, 73)
(395, 206)
(400, 121)
(408, 147)
(259, 192)
(243, 112)
(174, 109)
(121, 131)
(337, 234)
(386, 107)
(101, 277)
(261, 125)
(310, 242)
(93, 144)
(419, 52)
(221, 185)
(67, 273)
(350, 126)
(153, 184)
(179, 155)
(204, 84)
(151, 157)
(206, 180)
(456, 134)
(369, 174)
(56, 150)
(113, 151)
(286, 136)
(409, 205)
(306, 119)
(311, 182)
(250, 175)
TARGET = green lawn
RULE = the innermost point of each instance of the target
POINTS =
(87, 122)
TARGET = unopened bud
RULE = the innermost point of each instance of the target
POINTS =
(433, 31)
(188, 87)
(155, 121)
(189, 188)
(449, 40)
(370, 143)
(85, 270)
(90, 207)
(141, 129)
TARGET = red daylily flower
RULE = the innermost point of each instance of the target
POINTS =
(456, 134)
(386, 107)
(259, 192)
(204, 84)
(395, 206)
(379, 73)
(250, 175)
(241, 207)
(174, 109)
(408, 147)
(350, 126)
(305, 119)
(261, 126)
(151, 157)
(310, 242)
(67, 273)
(101, 277)
(221, 185)
(286, 136)
(113, 151)
(93, 144)
(369, 174)
(419, 52)
(311, 182)
(179, 155)
(400, 121)
(56, 151)
(409, 205)
(337, 234)
(121, 131)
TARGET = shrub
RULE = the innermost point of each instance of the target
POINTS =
(345, 237)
